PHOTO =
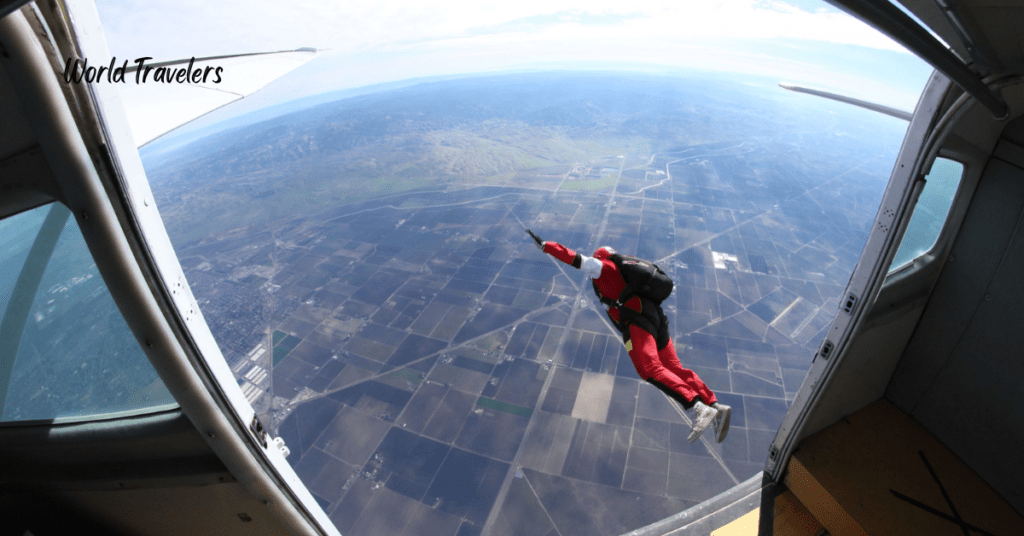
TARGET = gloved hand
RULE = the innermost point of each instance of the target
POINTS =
(540, 243)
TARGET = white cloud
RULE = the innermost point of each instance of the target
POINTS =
(194, 27)
(372, 42)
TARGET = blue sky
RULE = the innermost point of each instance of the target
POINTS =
(801, 41)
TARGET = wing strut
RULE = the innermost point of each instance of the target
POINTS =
(874, 107)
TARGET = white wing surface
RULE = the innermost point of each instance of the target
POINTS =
(157, 107)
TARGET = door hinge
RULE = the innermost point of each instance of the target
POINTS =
(826, 349)
(256, 427)
(851, 302)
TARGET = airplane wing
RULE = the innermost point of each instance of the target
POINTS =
(155, 108)
(874, 107)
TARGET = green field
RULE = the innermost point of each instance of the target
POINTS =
(504, 407)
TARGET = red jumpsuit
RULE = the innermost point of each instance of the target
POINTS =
(653, 354)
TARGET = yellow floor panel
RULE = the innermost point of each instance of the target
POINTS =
(878, 472)
(792, 518)
(742, 526)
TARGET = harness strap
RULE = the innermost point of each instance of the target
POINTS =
(629, 317)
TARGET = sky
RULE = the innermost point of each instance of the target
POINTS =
(364, 42)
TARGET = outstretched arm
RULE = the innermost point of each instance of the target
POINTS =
(589, 265)
(564, 254)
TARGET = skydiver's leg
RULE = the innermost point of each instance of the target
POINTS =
(669, 360)
(643, 350)
(687, 404)
(667, 357)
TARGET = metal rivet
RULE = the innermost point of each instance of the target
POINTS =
(209, 434)
(149, 343)
(266, 502)
(952, 258)
(145, 201)
(988, 297)
(85, 215)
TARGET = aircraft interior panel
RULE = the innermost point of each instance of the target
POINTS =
(941, 338)
(214, 510)
(864, 379)
(894, 315)
(20, 157)
(959, 376)
(17, 135)
(60, 476)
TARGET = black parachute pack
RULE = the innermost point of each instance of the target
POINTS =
(643, 278)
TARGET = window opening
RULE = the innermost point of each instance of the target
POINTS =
(930, 212)
(66, 353)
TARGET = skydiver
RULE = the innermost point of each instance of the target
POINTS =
(644, 329)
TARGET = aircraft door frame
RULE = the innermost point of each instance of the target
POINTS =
(84, 134)
(918, 151)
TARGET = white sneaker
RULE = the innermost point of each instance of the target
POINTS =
(722, 421)
(701, 416)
